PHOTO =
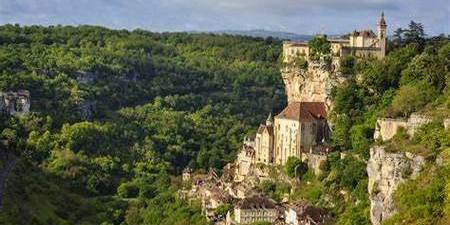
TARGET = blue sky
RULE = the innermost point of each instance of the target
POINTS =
(298, 16)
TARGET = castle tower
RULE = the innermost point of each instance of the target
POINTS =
(382, 34)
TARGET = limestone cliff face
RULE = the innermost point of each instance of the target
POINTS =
(15, 103)
(313, 84)
(386, 171)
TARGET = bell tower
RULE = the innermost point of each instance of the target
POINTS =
(382, 34)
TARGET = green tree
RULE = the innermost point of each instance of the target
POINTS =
(319, 47)
(295, 167)
(223, 209)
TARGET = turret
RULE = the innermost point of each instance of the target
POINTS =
(269, 120)
(382, 34)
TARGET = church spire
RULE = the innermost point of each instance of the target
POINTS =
(382, 22)
(269, 120)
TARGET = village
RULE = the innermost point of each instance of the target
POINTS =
(302, 130)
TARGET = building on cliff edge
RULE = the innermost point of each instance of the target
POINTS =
(302, 129)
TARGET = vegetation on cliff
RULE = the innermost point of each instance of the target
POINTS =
(413, 77)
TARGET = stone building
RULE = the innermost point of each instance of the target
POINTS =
(254, 209)
(245, 158)
(264, 142)
(363, 43)
(303, 214)
(211, 199)
(300, 127)
(300, 130)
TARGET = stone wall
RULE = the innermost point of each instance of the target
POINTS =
(386, 128)
(15, 103)
(415, 121)
(314, 161)
(386, 171)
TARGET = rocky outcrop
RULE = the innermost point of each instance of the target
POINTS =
(86, 109)
(86, 77)
(313, 84)
(315, 161)
(386, 171)
(447, 123)
(386, 128)
(15, 103)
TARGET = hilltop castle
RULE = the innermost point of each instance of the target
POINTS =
(360, 43)
(301, 129)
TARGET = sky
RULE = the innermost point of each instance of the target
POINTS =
(296, 16)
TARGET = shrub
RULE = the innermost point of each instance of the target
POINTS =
(128, 190)
(294, 166)
(347, 65)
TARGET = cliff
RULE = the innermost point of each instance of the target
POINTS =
(313, 84)
(15, 103)
(386, 171)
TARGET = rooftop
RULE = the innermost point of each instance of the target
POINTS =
(256, 202)
(263, 127)
(364, 33)
(304, 211)
(304, 111)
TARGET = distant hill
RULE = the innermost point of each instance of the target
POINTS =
(266, 33)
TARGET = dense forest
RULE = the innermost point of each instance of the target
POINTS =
(117, 115)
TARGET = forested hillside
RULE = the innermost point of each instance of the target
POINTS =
(116, 116)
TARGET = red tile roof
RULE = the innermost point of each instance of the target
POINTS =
(304, 111)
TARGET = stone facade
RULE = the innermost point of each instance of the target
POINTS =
(300, 127)
(386, 171)
(264, 142)
(364, 43)
(255, 209)
(244, 161)
(15, 103)
(315, 159)
(303, 214)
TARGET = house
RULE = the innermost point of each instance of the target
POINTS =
(254, 209)
(303, 214)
